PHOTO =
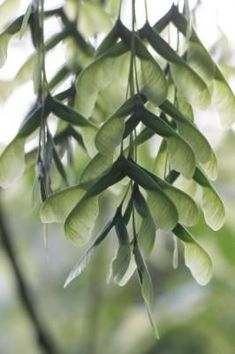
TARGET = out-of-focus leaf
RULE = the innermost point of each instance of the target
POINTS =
(12, 162)
(95, 169)
(6, 88)
(58, 206)
(146, 286)
(93, 19)
(8, 10)
(4, 40)
(86, 257)
(81, 220)
(196, 258)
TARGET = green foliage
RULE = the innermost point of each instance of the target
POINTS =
(122, 97)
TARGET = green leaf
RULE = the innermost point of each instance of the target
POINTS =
(86, 257)
(122, 259)
(182, 158)
(196, 258)
(58, 206)
(213, 208)
(81, 220)
(4, 40)
(110, 135)
(12, 162)
(153, 84)
(95, 169)
(101, 72)
(146, 286)
(190, 86)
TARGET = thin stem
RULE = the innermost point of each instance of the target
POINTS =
(146, 11)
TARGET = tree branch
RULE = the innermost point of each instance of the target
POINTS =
(43, 339)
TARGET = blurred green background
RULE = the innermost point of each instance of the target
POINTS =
(93, 316)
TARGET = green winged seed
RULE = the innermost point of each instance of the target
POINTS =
(188, 83)
(122, 259)
(196, 140)
(200, 61)
(146, 286)
(101, 72)
(67, 113)
(224, 101)
(95, 169)
(182, 158)
(12, 162)
(162, 209)
(81, 220)
(110, 135)
(187, 208)
(196, 258)
(213, 208)
(190, 86)
(86, 257)
(110, 39)
(146, 235)
(153, 84)
(58, 206)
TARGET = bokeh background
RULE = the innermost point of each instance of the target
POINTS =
(92, 315)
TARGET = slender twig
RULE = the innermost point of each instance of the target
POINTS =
(43, 338)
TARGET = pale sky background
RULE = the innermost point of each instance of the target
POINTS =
(213, 18)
